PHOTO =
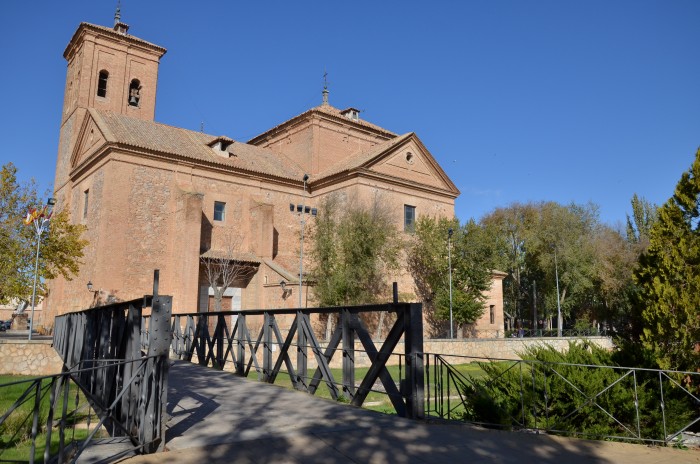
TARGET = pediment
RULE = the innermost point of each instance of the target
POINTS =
(90, 139)
(412, 161)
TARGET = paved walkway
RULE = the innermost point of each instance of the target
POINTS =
(220, 418)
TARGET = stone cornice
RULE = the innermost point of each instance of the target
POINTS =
(384, 178)
(87, 28)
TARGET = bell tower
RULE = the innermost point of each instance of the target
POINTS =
(108, 69)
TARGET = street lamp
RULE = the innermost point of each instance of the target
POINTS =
(301, 248)
(556, 274)
(40, 219)
(449, 261)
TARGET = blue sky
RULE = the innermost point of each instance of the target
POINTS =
(517, 100)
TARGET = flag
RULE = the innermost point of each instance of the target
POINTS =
(34, 214)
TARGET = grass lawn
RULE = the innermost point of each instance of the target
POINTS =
(379, 400)
(15, 431)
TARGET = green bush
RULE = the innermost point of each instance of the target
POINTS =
(574, 393)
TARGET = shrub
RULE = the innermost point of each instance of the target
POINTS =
(579, 392)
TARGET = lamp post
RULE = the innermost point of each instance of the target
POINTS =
(40, 219)
(556, 274)
(301, 248)
(449, 264)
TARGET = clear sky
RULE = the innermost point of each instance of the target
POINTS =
(518, 100)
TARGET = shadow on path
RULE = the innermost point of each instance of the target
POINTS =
(222, 418)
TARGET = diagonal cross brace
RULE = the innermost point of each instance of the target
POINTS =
(321, 360)
(378, 368)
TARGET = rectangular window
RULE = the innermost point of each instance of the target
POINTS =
(409, 218)
(86, 197)
(102, 84)
(492, 314)
(219, 210)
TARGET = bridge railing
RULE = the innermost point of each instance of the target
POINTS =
(623, 403)
(126, 387)
(231, 340)
(52, 419)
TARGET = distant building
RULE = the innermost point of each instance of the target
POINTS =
(157, 196)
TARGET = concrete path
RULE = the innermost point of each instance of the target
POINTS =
(220, 418)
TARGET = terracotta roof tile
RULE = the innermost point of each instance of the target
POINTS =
(162, 138)
(331, 111)
(238, 257)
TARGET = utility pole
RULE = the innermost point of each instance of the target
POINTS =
(301, 248)
(534, 308)
(556, 273)
(449, 264)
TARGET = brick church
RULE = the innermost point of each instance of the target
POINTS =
(158, 196)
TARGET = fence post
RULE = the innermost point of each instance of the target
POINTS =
(302, 351)
(159, 345)
(267, 347)
(241, 333)
(348, 354)
(413, 339)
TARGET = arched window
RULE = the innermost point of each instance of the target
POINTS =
(134, 92)
(102, 84)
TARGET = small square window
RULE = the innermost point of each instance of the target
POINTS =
(409, 218)
(219, 210)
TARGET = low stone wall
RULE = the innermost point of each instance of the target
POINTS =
(24, 357)
(504, 348)
(457, 351)
(473, 349)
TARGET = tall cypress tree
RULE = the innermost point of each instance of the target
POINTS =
(668, 276)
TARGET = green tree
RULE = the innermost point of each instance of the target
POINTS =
(472, 261)
(510, 229)
(60, 251)
(354, 249)
(668, 277)
(537, 241)
(561, 251)
(615, 260)
(639, 225)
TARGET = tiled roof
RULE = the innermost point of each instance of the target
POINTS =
(358, 160)
(238, 257)
(282, 271)
(110, 31)
(331, 111)
(166, 139)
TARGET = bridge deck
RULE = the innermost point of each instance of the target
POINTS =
(217, 417)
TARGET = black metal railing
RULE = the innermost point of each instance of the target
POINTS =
(627, 404)
(53, 418)
(231, 340)
(125, 385)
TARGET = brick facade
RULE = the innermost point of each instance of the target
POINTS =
(147, 191)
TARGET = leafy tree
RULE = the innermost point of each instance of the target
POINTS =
(354, 248)
(225, 266)
(562, 247)
(510, 229)
(61, 247)
(639, 225)
(668, 277)
(472, 261)
(615, 259)
(537, 241)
